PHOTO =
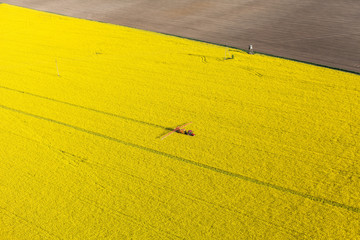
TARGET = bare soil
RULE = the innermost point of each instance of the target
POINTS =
(321, 32)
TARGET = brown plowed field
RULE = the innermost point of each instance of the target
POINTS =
(321, 32)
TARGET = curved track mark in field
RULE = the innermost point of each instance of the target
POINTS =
(130, 218)
(152, 184)
(30, 223)
(86, 108)
(201, 165)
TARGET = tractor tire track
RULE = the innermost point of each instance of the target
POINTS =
(197, 164)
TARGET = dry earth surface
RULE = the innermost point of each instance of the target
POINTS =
(321, 32)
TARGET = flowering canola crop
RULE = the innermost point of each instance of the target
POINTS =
(83, 105)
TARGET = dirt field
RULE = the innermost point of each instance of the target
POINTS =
(322, 32)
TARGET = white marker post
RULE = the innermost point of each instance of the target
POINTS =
(251, 50)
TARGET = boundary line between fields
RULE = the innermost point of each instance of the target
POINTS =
(201, 165)
(193, 39)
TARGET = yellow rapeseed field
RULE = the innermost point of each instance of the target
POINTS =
(83, 105)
